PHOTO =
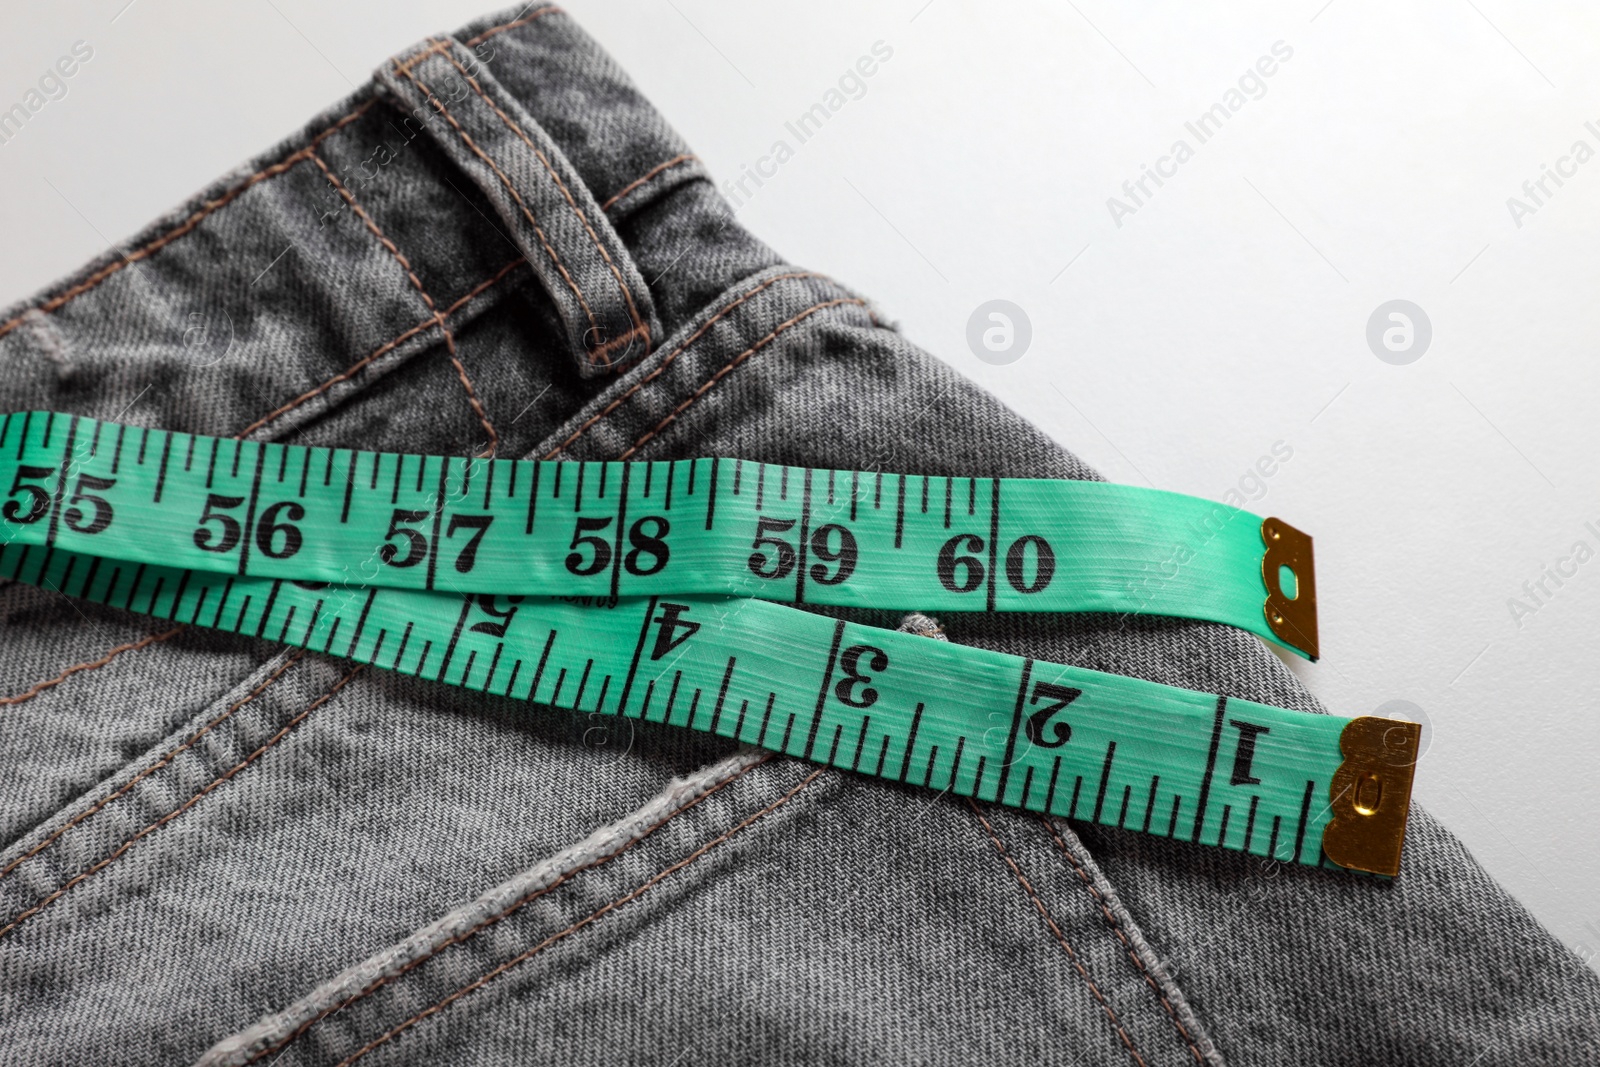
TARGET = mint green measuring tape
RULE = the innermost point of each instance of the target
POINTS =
(647, 589)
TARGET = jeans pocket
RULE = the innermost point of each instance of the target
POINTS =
(445, 989)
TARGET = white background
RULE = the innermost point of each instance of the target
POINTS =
(1227, 313)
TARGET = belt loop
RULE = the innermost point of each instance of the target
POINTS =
(547, 210)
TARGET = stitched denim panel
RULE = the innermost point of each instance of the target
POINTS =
(681, 943)
(194, 322)
(60, 740)
(283, 834)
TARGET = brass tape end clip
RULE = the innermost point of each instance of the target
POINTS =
(1370, 794)
(1292, 618)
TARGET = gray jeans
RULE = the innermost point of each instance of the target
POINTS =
(219, 850)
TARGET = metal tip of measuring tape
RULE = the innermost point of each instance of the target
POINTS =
(1370, 794)
(1292, 617)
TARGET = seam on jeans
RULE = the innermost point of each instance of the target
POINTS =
(647, 176)
(416, 282)
(383, 349)
(544, 241)
(153, 768)
(504, 913)
(1116, 928)
(1055, 931)
(649, 883)
(734, 363)
(88, 665)
(639, 326)
(513, 24)
(61, 299)
(186, 805)
(435, 47)
(666, 361)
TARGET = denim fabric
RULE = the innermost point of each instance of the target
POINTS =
(219, 851)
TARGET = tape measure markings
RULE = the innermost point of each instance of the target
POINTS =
(659, 528)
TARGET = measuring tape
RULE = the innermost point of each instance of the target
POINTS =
(640, 590)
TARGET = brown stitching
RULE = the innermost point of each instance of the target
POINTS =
(640, 890)
(186, 805)
(60, 300)
(646, 176)
(416, 282)
(1116, 928)
(131, 646)
(503, 27)
(602, 353)
(306, 153)
(527, 214)
(733, 363)
(153, 768)
(435, 47)
(722, 312)
(627, 293)
(456, 939)
(1061, 938)
(295, 657)
(383, 349)
(348, 373)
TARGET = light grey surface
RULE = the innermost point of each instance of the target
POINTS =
(1227, 313)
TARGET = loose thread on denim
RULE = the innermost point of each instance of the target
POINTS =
(88, 665)
(189, 224)
(649, 175)
(1116, 928)
(544, 241)
(507, 912)
(605, 909)
(1055, 931)
(733, 365)
(639, 327)
(427, 299)
(185, 806)
(656, 372)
